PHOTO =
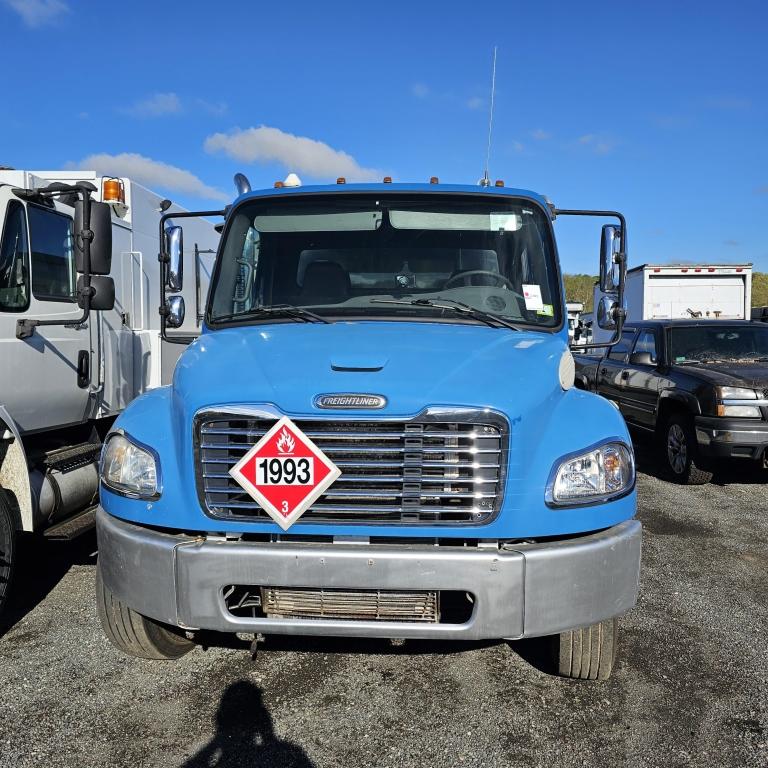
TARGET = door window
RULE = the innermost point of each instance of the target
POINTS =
(646, 342)
(620, 350)
(53, 257)
(14, 261)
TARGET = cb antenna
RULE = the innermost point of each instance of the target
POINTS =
(486, 180)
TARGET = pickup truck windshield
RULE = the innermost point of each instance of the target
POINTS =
(350, 256)
(719, 343)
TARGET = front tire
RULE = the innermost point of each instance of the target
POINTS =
(588, 653)
(135, 634)
(7, 549)
(682, 454)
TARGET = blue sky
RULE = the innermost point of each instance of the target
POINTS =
(659, 109)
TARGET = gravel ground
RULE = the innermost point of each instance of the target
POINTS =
(691, 687)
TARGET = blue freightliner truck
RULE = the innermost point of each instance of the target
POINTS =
(377, 434)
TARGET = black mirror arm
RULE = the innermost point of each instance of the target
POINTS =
(620, 259)
(25, 327)
(164, 259)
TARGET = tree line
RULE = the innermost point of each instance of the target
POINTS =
(579, 288)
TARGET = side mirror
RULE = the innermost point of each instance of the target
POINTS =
(174, 247)
(101, 245)
(610, 242)
(174, 311)
(607, 312)
(641, 358)
(103, 296)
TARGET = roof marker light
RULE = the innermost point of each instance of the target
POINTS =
(499, 183)
(387, 179)
(279, 185)
(434, 180)
(341, 180)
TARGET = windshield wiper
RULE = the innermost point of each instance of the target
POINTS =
(300, 314)
(457, 306)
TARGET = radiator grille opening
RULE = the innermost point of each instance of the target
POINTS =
(428, 606)
(406, 472)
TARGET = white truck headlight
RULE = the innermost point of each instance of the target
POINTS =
(600, 473)
(130, 469)
(734, 401)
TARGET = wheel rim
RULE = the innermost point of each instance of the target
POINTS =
(677, 449)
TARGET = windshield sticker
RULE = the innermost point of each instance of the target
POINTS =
(547, 310)
(532, 296)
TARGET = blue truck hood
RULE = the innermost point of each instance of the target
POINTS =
(414, 365)
(411, 364)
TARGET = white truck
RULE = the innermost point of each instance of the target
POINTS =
(685, 291)
(74, 354)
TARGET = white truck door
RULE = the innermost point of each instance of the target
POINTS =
(117, 336)
(42, 378)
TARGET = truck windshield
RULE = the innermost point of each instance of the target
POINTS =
(703, 344)
(351, 256)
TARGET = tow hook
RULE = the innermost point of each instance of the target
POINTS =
(257, 638)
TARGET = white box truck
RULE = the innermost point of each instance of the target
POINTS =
(65, 375)
(684, 291)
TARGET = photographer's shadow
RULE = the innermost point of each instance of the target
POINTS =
(245, 735)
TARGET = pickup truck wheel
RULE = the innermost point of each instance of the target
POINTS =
(7, 549)
(681, 452)
(135, 634)
(587, 653)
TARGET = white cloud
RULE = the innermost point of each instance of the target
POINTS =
(541, 135)
(475, 103)
(36, 13)
(296, 153)
(156, 105)
(419, 90)
(518, 146)
(154, 173)
(600, 144)
(213, 107)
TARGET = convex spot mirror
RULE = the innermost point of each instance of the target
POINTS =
(101, 245)
(607, 313)
(610, 243)
(103, 296)
(174, 247)
(174, 306)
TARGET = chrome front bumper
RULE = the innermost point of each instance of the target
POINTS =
(523, 590)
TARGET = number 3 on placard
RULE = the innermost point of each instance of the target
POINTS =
(285, 507)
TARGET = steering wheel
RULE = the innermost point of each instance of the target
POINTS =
(500, 279)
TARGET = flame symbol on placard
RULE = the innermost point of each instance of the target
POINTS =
(286, 443)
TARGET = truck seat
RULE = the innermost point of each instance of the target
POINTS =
(325, 282)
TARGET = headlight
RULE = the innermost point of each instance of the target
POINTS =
(734, 401)
(129, 469)
(596, 475)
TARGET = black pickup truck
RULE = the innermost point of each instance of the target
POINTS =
(700, 385)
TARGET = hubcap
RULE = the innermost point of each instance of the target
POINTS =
(677, 449)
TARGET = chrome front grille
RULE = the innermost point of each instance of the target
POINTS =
(444, 466)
